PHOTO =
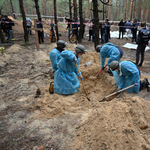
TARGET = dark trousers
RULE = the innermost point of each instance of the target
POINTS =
(40, 35)
(90, 34)
(83, 33)
(134, 35)
(140, 50)
(121, 32)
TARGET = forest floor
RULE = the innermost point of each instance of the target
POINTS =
(29, 120)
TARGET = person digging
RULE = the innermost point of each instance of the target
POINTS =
(110, 51)
(126, 74)
(65, 79)
(55, 55)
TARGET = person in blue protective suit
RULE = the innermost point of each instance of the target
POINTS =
(55, 55)
(111, 51)
(125, 74)
(65, 79)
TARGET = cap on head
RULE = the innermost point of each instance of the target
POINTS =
(80, 49)
(61, 44)
(98, 48)
(114, 65)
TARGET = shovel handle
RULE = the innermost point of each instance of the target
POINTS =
(119, 91)
(80, 77)
(100, 71)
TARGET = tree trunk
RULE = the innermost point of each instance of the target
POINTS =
(37, 10)
(24, 20)
(96, 23)
(12, 9)
(139, 10)
(75, 10)
(55, 17)
(70, 9)
(81, 21)
(134, 8)
(109, 9)
(125, 16)
(88, 10)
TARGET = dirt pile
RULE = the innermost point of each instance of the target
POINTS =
(69, 122)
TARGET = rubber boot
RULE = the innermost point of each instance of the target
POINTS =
(145, 83)
(51, 88)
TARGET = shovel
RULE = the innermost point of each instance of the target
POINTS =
(117, 92)
(82, 82)
(100, 71)
(87, 64)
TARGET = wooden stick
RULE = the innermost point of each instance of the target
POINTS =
(80, 77)
(117, 92)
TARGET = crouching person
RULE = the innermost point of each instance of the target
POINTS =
(125, 74)
(65, 79)
(110, 51)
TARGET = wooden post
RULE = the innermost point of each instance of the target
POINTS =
(36, 33)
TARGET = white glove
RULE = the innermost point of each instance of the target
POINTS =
(81, 77)
(119, 88)
(75, 59)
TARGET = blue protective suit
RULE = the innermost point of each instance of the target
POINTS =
(54, 58)
(109, 50)
(130, 75)
(65, 80)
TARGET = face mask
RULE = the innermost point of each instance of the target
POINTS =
(79, 56)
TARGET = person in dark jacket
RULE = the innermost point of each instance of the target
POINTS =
(134, 29)
(7, 27)
(128, 29)
(40, 33)
(108, 30)
(75, 27)
(121, 28)
(142, 41)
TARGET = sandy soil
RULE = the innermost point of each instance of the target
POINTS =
(30, 120)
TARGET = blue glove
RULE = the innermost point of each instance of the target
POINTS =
(136, 84)
(119, 88)
(75, 59)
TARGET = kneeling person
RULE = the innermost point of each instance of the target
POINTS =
(125, 74)
(55, 55)
(65, 80)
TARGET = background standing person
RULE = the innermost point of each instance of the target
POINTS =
(142, 41)
(84, 25)
(103, 32)
(90, 29)
(29, 24)
(134, 30)
(7, 28)
(108, 30)
(75, 27)
(121, 28)
(40, 33)
(68, 26)
(128, 29)
(65, 79)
